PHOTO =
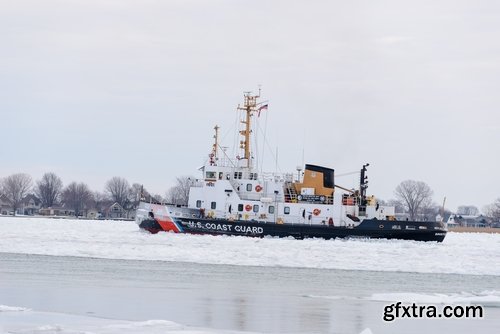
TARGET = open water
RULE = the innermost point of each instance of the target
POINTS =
(226, 297)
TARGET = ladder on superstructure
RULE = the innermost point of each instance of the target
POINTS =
(291, 194)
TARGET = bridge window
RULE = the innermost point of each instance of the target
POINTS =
(198, 204)
(286, 210)
(210, 175)
(213, 205)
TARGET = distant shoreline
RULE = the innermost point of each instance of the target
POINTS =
(462, 229)
(66, 217)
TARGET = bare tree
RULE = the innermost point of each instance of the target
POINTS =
(467, 210)
(414, 195)
(398, 206)
(77, 196)
(430, 211)
(99, 201)
(179, 194)
(493, 210)
(157, 198)
(48, 189)
(118, 190)
(15, 187)
(137, 191)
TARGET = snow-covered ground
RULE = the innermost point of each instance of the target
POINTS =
(460, 253)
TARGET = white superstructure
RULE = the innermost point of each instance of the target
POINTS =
(233, 189)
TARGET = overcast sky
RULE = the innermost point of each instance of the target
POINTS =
(96, 89)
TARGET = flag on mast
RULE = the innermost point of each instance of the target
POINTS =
(263, 107)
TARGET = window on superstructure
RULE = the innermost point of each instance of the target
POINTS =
(271, 209)
(198, 204)
(240, 207)
(286, 210)
(249, 187)
(255, 176)
(213, 205)
(256, 208)
(210, 175)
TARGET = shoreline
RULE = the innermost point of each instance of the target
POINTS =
(458, 229)
(462, 229)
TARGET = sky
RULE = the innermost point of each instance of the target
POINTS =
(95, 89)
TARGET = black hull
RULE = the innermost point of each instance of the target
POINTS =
(369, 228)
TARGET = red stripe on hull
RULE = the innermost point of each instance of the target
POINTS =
(168, 225)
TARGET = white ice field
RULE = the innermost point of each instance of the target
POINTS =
(460, 253)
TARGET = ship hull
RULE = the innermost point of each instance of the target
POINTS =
(369, 228)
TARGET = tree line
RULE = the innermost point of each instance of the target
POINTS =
(414, 198)
(76, 196)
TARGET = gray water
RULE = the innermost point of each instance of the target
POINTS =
(264, 299)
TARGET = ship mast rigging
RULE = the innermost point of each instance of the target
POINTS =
(249, 108)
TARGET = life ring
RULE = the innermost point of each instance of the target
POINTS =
(248, 207)
(258, 188)
(316, 212)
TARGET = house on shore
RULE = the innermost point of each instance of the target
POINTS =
(467, 221)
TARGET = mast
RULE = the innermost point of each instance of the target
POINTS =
(214, 155)
(363, 184)
(249, 108)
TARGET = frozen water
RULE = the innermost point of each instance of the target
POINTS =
(50, 322)
(484, 298)
(489, 298)
(4, 308)
(460, 253)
